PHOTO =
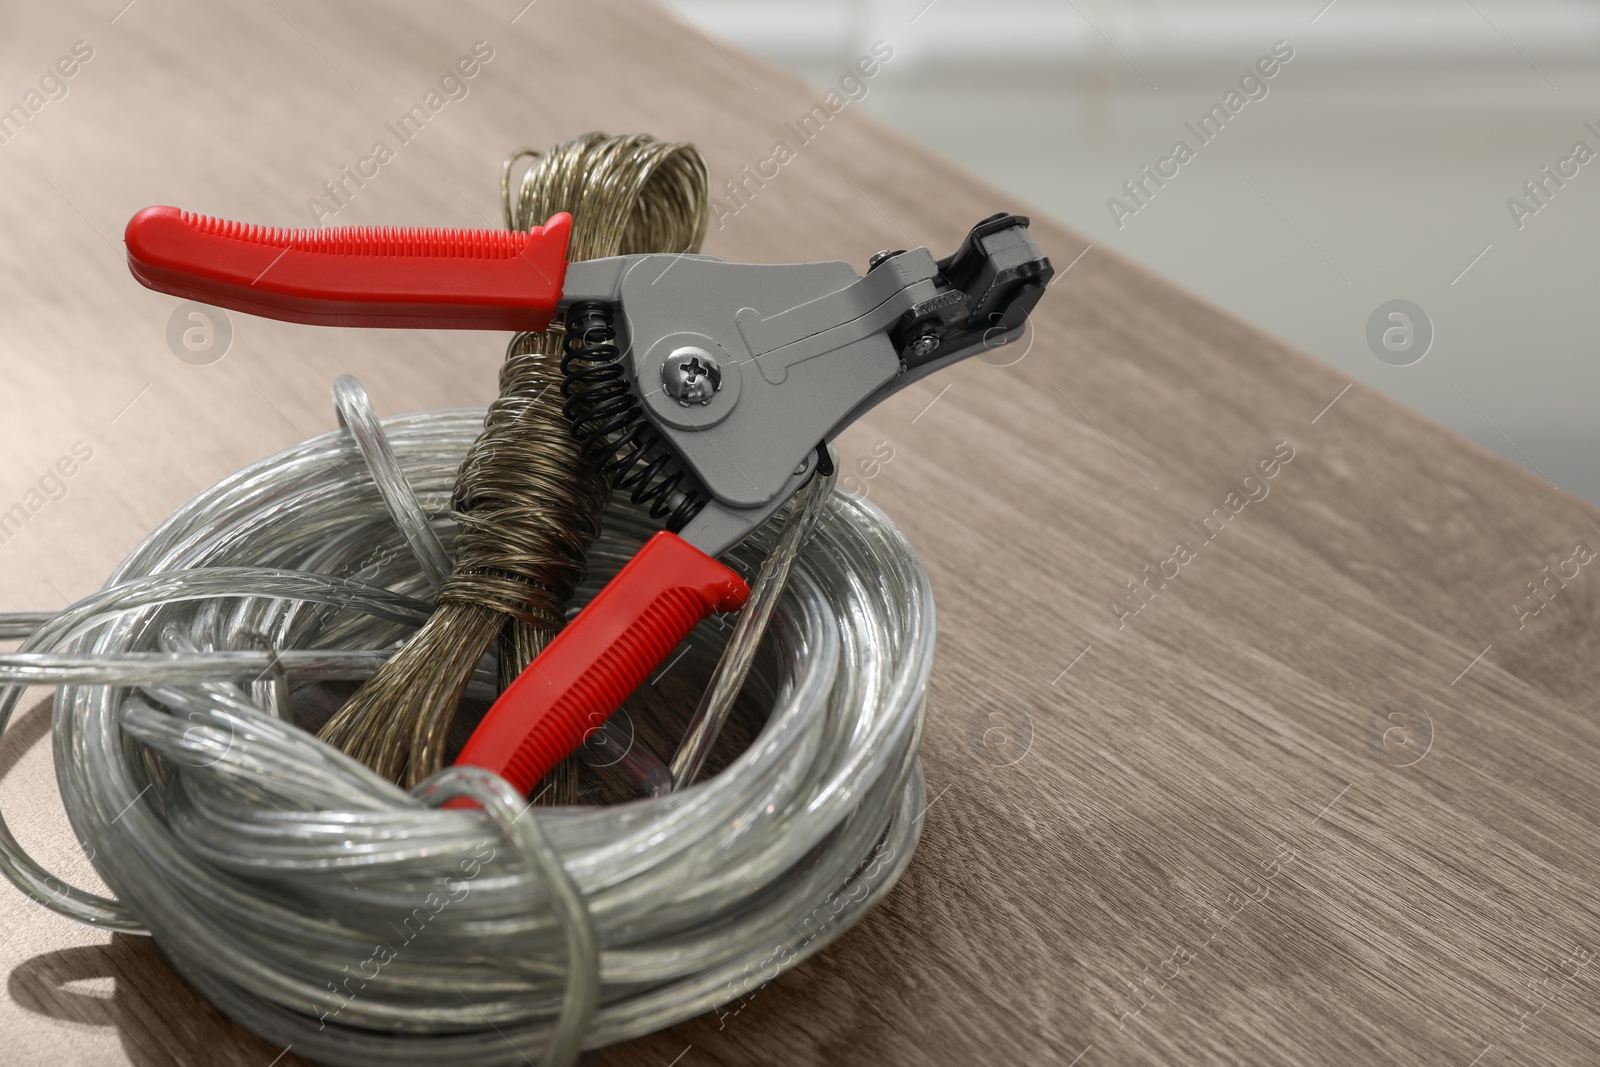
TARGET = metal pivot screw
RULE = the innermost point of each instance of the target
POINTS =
(924, 345)
(879, 257)
(691, 375)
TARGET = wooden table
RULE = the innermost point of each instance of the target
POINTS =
(1318, 789)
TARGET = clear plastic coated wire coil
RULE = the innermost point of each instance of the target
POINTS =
(327, 908)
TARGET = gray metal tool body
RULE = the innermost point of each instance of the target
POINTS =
(745, 371)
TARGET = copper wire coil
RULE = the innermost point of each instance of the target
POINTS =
(528, 505)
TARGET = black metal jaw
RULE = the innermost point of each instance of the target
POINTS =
(994, 280)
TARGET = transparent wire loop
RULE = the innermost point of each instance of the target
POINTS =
(322, 905)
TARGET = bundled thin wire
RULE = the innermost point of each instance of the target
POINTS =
(325, 907)
(527, 501)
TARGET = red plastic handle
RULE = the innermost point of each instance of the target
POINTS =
(591, 666)
(356, 276)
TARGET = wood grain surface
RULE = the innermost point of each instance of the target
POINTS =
(1326, 797)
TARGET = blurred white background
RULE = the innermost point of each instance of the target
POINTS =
(1378, 166)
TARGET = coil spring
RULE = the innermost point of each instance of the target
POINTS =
(608, 420)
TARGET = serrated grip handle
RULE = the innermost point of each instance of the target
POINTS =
(601, 656)
(356, 276)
